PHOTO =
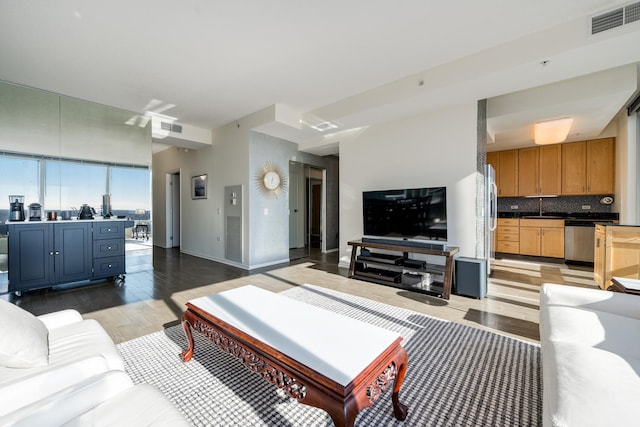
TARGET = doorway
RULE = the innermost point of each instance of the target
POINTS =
(307, 210)
(173, 210)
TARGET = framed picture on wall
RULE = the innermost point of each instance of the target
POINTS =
(199, 187)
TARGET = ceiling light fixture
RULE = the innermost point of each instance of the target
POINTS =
(552, 131)
(324, 126)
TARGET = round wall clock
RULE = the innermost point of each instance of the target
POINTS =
(271, 180)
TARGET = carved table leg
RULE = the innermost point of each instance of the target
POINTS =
(345, 419)
(187, 354)
(400, 410)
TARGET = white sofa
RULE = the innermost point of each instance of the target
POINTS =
(60, 368)
(590, 343)
(107, 400)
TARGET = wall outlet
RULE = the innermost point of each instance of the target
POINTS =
(586, 207)
(514, 206)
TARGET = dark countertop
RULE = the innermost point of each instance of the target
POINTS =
(563, 215)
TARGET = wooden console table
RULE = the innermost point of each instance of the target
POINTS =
(317, 357)
(447, 273)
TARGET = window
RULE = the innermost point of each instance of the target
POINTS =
(130, 192)
(65, 185)
(70, 185)
(18, 176)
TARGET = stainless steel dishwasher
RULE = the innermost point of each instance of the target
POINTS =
(579, 238)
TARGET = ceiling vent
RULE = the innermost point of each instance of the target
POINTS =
(172, 127)
(615, 18)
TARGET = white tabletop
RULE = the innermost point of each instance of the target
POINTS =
(334, 345)
(633, 284)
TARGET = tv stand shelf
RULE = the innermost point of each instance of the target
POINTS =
(389, 270)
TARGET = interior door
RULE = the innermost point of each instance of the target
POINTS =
(172, 208)
(175, 210)
(296, 205)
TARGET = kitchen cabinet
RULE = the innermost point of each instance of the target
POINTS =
(45, 254)
(108, 249)
(588, 167)
(539, 170)
(507, 173)
(616, 253)
(508, 236)
(492, 159)
(542, 237)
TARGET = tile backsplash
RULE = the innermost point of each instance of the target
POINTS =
(564, 204)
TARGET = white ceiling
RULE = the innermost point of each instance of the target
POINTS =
(208, 62)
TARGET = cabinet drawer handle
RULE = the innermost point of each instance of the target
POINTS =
(57, 253)
(51, 253)
(109, 265)
(108, 229)
(109, 247)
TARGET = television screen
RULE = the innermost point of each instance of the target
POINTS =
(419, 213)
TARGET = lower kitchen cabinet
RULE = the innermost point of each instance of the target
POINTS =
(508, 236)
(43, 254)
(542, 237)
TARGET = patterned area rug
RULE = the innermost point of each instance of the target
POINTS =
(457, 375)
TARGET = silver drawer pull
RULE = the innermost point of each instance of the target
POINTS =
(108, 229)
(109, 265)
(109, 247)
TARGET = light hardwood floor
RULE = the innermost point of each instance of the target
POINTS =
(151, 299)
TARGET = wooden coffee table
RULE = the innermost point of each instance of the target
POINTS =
(318, 357)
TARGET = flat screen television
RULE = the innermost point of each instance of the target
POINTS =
(414, 213)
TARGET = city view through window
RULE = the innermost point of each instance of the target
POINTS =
(64, 186)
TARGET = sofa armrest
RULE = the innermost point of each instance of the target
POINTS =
(22, 391)
(60, 318)
(71, 402)
(591, 299)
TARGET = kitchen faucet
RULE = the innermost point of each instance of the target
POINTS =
(540, 205)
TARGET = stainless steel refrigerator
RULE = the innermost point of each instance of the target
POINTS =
(490, 215)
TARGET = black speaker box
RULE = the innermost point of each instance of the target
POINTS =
(471, 277)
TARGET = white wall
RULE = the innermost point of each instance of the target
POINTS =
(225, 163)
(430, 150)
(232, 159)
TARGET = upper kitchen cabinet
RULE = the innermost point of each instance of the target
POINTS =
(588, 167)
(539, 170)
(507, 173)
(492, 159)
(601, 166)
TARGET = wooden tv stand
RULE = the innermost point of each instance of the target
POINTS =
(389, 267)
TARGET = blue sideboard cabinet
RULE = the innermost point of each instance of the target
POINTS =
(108, 249)
(45, 254)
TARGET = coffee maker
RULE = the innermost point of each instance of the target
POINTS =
(35, 212)
(16, 210)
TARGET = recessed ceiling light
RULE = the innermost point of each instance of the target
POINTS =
(324, 126)
(552, 131)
